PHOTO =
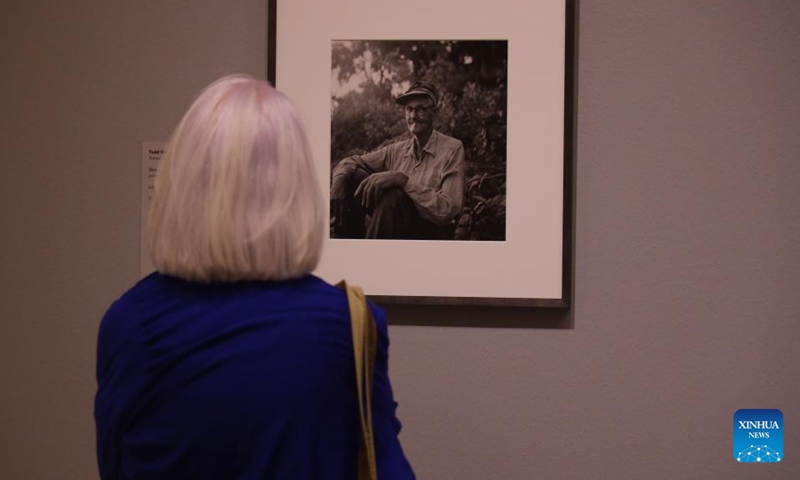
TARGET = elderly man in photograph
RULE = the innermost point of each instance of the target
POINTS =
(412, 189)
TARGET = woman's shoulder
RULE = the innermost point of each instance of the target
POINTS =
(334, 295)
(157, 295)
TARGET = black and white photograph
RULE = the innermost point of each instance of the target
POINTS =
(419, 139)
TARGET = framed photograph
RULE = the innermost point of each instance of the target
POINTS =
(443, 137)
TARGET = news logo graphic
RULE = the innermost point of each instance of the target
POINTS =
(758, 435)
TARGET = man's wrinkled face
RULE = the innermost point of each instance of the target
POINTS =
(419, 115)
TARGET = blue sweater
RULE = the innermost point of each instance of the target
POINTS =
(250, 380)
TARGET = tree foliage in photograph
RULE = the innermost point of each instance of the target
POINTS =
(472, 76)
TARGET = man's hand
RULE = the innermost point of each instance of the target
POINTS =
(372, 186)
(339, 200)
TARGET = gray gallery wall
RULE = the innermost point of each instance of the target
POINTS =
(686, 286)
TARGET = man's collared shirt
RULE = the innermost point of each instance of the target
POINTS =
(435, 180)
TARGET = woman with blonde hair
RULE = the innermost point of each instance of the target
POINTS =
(233, 361)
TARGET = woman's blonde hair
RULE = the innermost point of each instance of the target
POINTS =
(236, 195)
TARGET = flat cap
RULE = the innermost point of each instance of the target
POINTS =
(420, 88)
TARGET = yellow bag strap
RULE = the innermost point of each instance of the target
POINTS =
(365, 337)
